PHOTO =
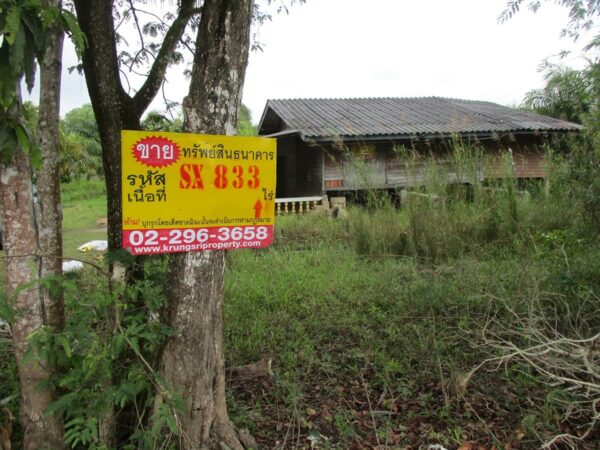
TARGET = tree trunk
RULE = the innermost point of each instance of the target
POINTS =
(21, 266)
(48, 180)
(192, 361)
(111, 104)
(114, 109)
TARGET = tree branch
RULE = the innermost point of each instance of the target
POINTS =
(149, 89)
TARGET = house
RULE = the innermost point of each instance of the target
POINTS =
(332, 146)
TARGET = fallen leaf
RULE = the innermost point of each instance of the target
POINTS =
(326, 416)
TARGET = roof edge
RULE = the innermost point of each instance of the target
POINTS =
(425, 136)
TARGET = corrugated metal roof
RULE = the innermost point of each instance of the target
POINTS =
(386, 117)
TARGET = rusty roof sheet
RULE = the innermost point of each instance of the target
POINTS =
(329, 119)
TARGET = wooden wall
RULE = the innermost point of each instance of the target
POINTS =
(310, 170)
(521, 162)
(387, 169)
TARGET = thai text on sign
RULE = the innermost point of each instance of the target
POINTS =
(189, 192)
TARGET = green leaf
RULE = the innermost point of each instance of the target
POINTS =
(66, 346)
(62, 404)
(13, 20)
(135, 344)
(8, 83)
(35, 155)
(129, 389)
(172, 424)
(121, 255)
(17, 50)
(29, 67)
(49, 14)
(7, 313)
(8, 144)
(35, 32)
(117, 345)
(71, 27)
(2, 20)
(75, 421)
(23, 138)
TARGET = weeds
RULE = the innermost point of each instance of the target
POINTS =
(381, 314)
(375, 321)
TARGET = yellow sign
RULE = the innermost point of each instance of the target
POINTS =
(191, 192)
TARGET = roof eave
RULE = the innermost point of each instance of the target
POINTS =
(487, 135)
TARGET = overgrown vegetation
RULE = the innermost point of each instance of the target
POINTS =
(467, 319)
(377, 321)
(374, 324)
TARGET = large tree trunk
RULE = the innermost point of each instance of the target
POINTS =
(111, 104)
(192, 361)
(21, 266)
(114, 109)
(48, 181)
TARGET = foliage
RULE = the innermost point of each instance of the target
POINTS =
(372, 340)
(442, 219)
(21, 28)
(244, 124)
(81, 150)
(23, 24)
(583, 183)
(354, 311)
(157, 121)
(92, 349)
(74, 192)
(573, 95)
(569, 94)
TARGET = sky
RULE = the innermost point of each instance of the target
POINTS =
(388, 48)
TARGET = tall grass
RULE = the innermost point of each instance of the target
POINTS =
(451, 212)
(372, 319)
(393, 303)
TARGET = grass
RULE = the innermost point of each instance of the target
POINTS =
(84, 204)
(373, 321)
(385, 326)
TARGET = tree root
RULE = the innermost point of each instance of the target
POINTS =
(228, 437)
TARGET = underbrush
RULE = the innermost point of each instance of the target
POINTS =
(375, 350)
(405, 327)
(389, 328)
(497, 219)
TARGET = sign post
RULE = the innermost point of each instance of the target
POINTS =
(190, 192)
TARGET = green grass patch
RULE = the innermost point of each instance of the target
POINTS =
(372, 321)
(82, 190)
(84, 214)
(347, 327)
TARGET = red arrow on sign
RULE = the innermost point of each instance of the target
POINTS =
(257, 209)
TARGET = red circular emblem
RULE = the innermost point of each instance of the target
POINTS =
(156, 151)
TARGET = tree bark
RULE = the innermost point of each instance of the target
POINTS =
(192, 361)
(48, 181)
(112, 106)
(114, 109)
(21, 266)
